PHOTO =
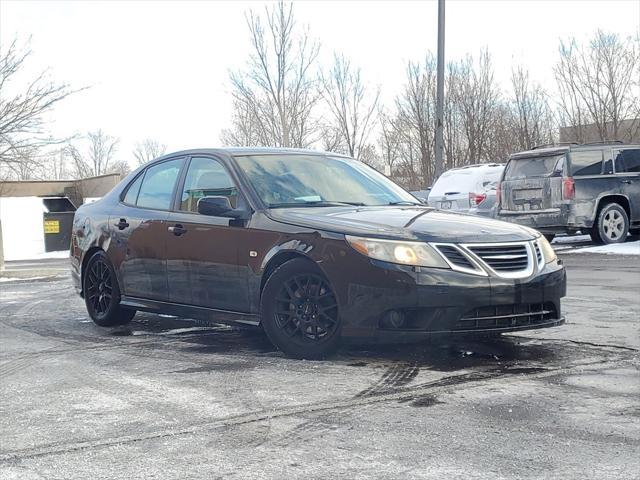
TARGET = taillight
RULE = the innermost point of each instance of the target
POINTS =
(476, 199)
(568, 188)
(498, 192)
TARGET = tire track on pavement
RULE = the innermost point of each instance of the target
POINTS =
(437, 387)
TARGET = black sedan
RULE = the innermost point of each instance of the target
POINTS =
(313, 247)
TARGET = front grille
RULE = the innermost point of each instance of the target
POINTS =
(455, 256)
(503, 258)
(503, 316)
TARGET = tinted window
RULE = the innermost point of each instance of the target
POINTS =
(158, 183)
(628, 161)
(586, 163)
(132, 192)
(206, 178)
(533, 167)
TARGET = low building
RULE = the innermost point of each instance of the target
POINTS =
(628, 132)
(36, 216)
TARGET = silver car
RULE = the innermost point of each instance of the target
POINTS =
(470, 189)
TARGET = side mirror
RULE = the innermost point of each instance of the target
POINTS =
(218, 207)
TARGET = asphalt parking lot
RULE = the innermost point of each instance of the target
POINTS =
(171, 398)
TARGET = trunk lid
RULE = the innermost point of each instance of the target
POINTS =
(533, 184)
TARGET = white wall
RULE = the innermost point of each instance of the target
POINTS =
(22, 227)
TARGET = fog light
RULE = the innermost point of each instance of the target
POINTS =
(393, 319)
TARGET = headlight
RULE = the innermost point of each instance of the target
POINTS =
(548, 253)
(405, 253)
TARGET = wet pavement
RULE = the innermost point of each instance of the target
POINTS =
(173, 398)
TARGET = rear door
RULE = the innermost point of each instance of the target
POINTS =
(627, 169)
(138, 231)
(533, 184)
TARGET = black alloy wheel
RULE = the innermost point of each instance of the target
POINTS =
(99, 287)
(300, 311)
(102, 293)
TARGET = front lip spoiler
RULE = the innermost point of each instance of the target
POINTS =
(388, 336)
(551, 323)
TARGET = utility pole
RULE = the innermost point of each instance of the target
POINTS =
(439, 164)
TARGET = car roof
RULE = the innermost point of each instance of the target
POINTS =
(477, 167)
(245, 151)
(549, 150)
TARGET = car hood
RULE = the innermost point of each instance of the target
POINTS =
(408, 223)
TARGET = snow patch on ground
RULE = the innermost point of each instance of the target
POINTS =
(571, 239)
(47, 255)
(18, 279)
(628, 248)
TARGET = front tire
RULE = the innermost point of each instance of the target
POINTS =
(102, 293)
(611, 225)
(299, 311)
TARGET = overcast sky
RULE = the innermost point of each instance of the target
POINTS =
(159, 69)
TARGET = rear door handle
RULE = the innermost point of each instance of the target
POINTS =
(177, 229)
(626, 181)
(122, 224)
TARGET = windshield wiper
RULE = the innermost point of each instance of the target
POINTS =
(318, 203)
(404, 202)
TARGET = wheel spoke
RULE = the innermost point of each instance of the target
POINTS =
(291, 293)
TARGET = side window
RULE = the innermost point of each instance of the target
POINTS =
(157, 187)
(206, 178)
(627, 161)
(132, 192)
(586, 163)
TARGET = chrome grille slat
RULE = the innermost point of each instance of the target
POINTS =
(506, 259)
(503, 258)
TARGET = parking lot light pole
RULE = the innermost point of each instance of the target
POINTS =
(439, 160)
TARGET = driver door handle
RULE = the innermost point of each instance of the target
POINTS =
(626, 181)
(177, 229)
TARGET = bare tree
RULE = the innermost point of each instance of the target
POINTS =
(246, 129)
(148, 150)
(120, 166)
(390, 142)
(477, 97)
(533, 118)
(22, 110)
(599, 84)
(352, 103)
(96, 158)
(274, 97)
(416, 121)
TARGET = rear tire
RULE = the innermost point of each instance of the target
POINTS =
(102, 293)
(299, 311)
(611, 225)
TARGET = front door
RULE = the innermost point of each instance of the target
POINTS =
(137, 227)
(202, 251)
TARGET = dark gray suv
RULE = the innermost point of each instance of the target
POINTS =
(593, 188)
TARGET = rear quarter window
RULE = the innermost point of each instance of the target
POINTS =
(586, 163)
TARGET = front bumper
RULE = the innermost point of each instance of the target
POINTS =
(434, 302)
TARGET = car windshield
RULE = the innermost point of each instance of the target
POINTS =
(532, 167)
(313, 180)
